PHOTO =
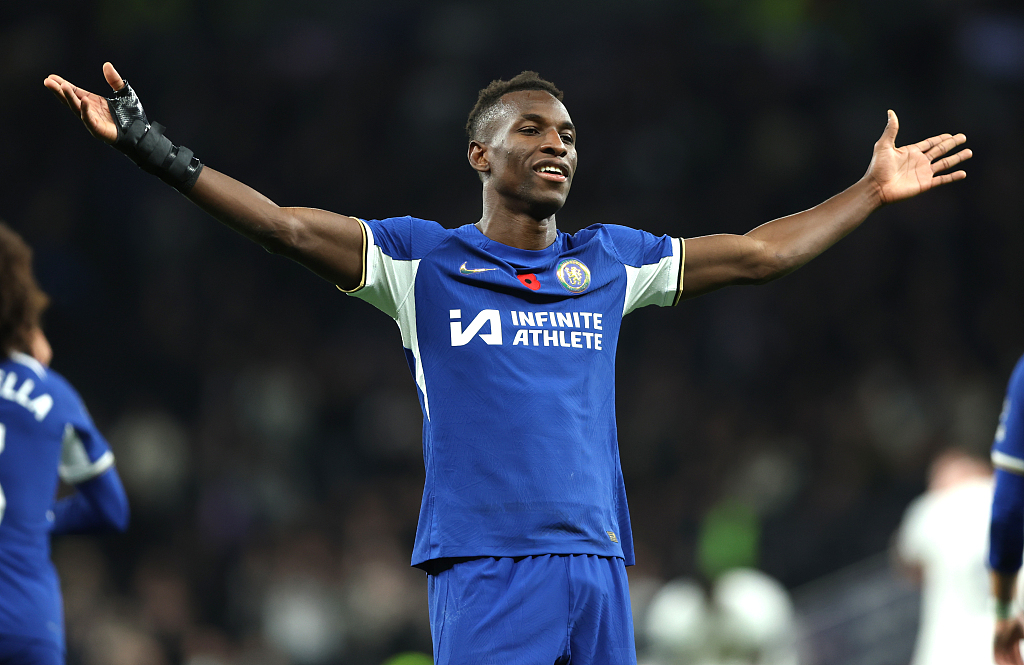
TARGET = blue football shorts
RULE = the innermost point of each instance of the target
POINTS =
(537, 610)
(20, 651)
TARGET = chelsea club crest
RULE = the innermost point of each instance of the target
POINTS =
(573, 275)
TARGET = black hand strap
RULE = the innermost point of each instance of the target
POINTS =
(145, 144)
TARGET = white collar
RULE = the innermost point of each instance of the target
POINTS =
(30, 362)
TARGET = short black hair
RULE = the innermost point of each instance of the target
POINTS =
(492, 94)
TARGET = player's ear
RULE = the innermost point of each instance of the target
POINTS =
(477, 156)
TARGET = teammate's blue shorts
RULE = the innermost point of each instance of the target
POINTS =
(20, 651)
(535, 610)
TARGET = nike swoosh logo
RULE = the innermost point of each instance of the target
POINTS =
(469, 271)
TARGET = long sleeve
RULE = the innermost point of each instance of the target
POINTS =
(99, 504)
(1006, 534)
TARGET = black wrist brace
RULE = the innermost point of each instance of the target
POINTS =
(145, 144)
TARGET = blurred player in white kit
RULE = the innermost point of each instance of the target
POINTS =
(943, 543)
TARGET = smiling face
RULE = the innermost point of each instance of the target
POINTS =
(528, 153)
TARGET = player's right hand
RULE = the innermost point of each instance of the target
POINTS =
(1009, 633)
(91, 108)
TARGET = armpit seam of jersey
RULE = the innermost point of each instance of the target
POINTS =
(400, 305)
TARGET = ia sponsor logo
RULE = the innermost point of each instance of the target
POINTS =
(461, 337)
(489, 320)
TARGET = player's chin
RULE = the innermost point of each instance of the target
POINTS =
(550, 198)
(547, 206)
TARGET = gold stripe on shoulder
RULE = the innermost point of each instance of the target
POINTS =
(362, 279)
(682, 261)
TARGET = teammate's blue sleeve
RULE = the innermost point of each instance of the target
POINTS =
(99, 504)
(1006, 531)
(87, 462)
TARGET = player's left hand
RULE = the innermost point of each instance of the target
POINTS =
(900, 173)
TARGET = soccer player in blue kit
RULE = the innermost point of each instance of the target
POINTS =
(1006, 530)
(510, 328)
(45, 433)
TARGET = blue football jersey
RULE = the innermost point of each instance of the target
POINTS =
(1008, 446)
(44, 431)
(1006, 535)
(513, 355)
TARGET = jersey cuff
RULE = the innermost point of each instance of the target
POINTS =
(362, 278)
(75, 475)
(679, 278)
(1007, 463)
(75, 466)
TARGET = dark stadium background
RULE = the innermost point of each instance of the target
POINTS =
(266, 425)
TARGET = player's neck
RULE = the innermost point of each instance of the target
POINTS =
(517, 228)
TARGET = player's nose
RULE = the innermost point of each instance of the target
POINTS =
(553, 144)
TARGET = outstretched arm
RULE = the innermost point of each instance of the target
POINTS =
(781, 246)
(329, 244)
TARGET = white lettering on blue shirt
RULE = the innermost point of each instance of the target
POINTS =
(39, 406)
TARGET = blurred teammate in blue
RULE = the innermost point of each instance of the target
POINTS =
(1006, 531)
(510, 328)
(45, 433)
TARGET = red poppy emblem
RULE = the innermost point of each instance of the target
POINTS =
(530, 281)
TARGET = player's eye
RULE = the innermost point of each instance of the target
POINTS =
(529, 130)
(568, 138)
